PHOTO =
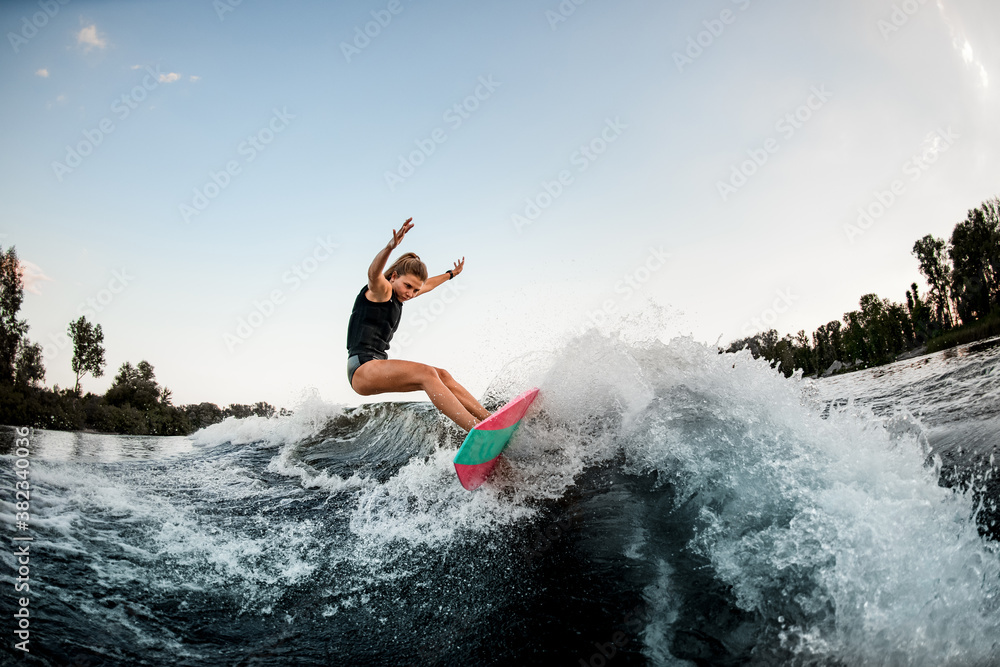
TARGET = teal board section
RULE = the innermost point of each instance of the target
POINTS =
(483, 446)
(481, 449)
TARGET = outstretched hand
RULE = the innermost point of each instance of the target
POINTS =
(459, 265)
(397, 237)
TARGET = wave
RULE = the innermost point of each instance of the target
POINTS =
(712, 509)
(828, 528)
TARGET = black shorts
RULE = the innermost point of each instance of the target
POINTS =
(354, 362)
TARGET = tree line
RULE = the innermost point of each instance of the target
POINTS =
(962, 304)
(134, 404)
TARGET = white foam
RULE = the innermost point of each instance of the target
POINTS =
(830, 530)
(306, 420)
(424, 505)
(286, 463)
(170, 541)
(835, 518)
(835, 524)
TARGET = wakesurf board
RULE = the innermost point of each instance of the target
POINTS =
(482, 446)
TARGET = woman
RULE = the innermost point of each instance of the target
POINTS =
(374, 320)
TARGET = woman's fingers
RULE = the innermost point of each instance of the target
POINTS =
(397, 236)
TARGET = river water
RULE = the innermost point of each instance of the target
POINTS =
(662, 504)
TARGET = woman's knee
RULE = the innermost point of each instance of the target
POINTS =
(429, 375)
(444, 375)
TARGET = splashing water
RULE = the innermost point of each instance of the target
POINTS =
(742, 517)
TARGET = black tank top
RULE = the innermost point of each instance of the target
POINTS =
(372, 325)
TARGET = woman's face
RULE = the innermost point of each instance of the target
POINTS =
(406, 286)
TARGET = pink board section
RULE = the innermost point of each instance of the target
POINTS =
(509, 414)
(473, 476)
(481, 449)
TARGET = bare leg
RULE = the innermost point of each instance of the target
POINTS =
(463, 395)
(380, 376)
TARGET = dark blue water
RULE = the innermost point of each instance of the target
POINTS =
(661, 505)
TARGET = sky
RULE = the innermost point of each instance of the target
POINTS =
(210, 180)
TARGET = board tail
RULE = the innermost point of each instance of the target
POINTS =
(473, 475)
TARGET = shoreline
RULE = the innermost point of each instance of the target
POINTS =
(974, 345)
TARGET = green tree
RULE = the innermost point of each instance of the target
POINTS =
(883, 329)
(264, 409)
(930, 253)
(991, 215)
(975, 258)
(877, 332)
(29, 369)
(240, 411)
(803, 354)
(762, 344)
(855, 344)
(901, 328)
(828, 345)
(920, 315)
(784, 355)
(12, 330)
(203, 414)
(134, 386)
(88, 349)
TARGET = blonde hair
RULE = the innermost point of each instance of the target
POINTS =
(410, 264)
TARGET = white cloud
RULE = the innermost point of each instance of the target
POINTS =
(194, 77)
(33, 276)
(967, 52)
(169, 77)
(970, 59)
(963, 46)
(44, 73)
(89, 39)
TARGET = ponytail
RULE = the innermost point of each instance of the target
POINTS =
(407, 264)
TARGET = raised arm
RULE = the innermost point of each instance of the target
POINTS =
(379, 287)
(434, 281)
